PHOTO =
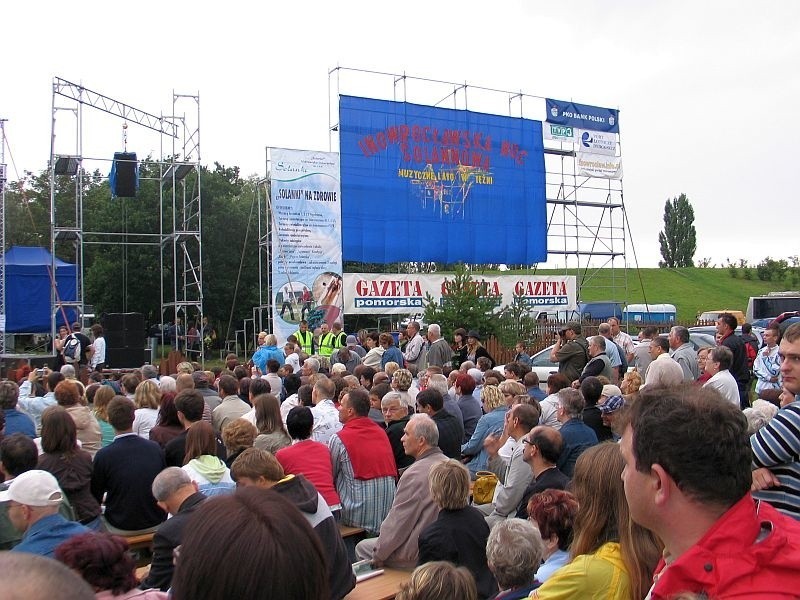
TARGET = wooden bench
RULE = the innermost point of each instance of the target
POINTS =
(351, 536)
(349, 531)
(380, 587)
(141, 541)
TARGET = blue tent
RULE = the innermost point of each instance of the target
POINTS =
(28, 286)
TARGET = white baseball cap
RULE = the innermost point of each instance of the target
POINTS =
(33, 488)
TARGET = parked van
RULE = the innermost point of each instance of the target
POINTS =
(710, 316)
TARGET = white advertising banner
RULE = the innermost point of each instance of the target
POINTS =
(404, 294)
(599, 165)
(559, 133)
(306, 239)
(598, 142)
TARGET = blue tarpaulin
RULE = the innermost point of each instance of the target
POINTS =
(432, 184)
(28, 286)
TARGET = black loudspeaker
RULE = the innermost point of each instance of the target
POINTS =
(113, 322)
(124, 330)
(126, 358)
(124, 182)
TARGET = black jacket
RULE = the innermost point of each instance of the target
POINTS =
(451, 433)
(167, 537)
(459, 536)
(301, 492)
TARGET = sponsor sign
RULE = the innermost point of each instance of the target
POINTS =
(559, 133)
(599, 165)
(598, 142)
(306, 239)
(421, 184)
(582, 116)
(404, 294)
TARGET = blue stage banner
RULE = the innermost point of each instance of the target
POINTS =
(426, 184)
(582, 116)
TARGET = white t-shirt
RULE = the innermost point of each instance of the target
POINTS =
(326, 421)
(725, 384)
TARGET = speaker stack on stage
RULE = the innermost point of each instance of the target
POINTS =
(125, 340)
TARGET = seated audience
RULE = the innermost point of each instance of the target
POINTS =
(272, 435)
(123, 473)
(438, 581)
(542, 450)
(105, 564)
(364, 470)
(491, 423)
(250, 529)
(102, 397)
(31, 577)
(177, 495)
(514, 552)
(70, 465)
(16, 420)
(68, 395)
(459, 533)
(553, 511)
(609, 552)
(259, 468)
(307, 457)
(202, 464)
(34, 499)
(168, 426)
(412, 510)
(147, 399)
(237, 436)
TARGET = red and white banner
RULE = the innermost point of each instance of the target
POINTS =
(405, 294)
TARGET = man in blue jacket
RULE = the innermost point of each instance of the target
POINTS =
(33, 500)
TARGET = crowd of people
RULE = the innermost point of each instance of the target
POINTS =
(642, 470)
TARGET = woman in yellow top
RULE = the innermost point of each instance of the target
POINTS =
(613, 557)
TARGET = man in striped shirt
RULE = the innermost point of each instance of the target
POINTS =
(776, 446)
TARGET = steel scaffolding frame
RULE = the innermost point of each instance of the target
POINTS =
(3, 180)
(587, 223)
(180, 205)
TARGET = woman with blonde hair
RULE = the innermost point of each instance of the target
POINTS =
(490, 423)
(439, 580)
(475, 349)
(147, 400)
(272, 435)
(612, 557)
(238, 436)
(100, 400)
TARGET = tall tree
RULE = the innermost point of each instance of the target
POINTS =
(678, 239)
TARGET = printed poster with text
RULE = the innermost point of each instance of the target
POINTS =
(306, 240)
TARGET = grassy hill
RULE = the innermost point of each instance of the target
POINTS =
(691, 290)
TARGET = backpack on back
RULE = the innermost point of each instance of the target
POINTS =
(750, 354)
(72, 349)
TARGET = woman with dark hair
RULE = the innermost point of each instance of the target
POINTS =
(212, 476)
(69, 396)
(244, 388)
(71, 466)
(272, 435)
(374, 351)
(243, 532)
(105, 564)
(554, 512)
(610, 552)
(168, 426)
(459, 347)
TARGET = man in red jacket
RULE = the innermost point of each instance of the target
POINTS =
(687, 478)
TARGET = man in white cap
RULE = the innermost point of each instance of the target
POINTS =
(33, 502)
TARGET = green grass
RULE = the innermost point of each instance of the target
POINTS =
(691, 290)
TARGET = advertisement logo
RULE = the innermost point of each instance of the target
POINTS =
(586, 140)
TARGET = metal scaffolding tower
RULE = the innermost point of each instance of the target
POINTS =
(179, 237)
(3, 179)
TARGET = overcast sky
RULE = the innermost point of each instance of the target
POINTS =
(708, 91)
